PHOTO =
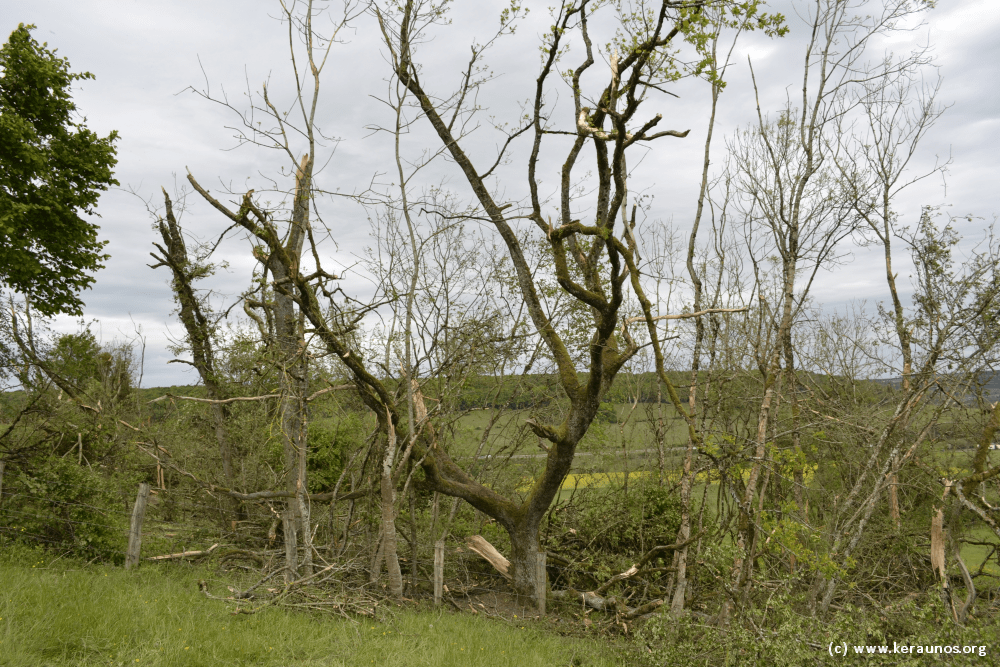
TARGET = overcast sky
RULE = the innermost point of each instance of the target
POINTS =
(145, 54)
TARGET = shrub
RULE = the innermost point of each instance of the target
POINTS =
(328, 444)
(606, 519)
(61, 505)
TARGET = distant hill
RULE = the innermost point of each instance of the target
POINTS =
(991, 384)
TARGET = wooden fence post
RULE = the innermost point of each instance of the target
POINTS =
(540, 582)
(135, 529)
(438, 571)
(2, 464)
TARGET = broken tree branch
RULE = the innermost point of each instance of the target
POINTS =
(478, 544)
(185, 554)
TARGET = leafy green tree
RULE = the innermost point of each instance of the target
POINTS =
(52, 168)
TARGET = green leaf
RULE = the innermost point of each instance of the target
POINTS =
(52, 169)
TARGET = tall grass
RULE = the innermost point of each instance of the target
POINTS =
(54, 614)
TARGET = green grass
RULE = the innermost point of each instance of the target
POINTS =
(973, 555)
(603, 437)
(56, 614)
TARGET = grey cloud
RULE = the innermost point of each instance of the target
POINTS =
(145, 53)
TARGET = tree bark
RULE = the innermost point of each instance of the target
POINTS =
(291, 544)
(198, 325)
(523, 561)
(293, 379)
(388, 497)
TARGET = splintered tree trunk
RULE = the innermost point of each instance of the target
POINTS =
(288, 323)
(198, 325)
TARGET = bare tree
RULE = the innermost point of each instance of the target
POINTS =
(899, 110)
(716, 67)
(791, 189)
(952, 343)
(285, 321)
(199, 323)
(593, 263)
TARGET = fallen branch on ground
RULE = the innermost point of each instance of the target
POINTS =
(185, 554)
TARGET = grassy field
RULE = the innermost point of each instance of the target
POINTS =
(974, 554)
(54, 614)
(604, 439)
(602, 463)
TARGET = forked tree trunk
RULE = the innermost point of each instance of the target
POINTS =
(290, 338)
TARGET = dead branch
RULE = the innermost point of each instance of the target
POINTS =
(660, 550)
(592, 600)
(223, 401)
(185, 554)
(214, 401)
(589, 599)
(970, 587)
(684, 316)
(235, 554)
(621, 576)
(339, 387)
(642, 610)
(257, 495)
(987, 519)
(243, 595)
(840, 421)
